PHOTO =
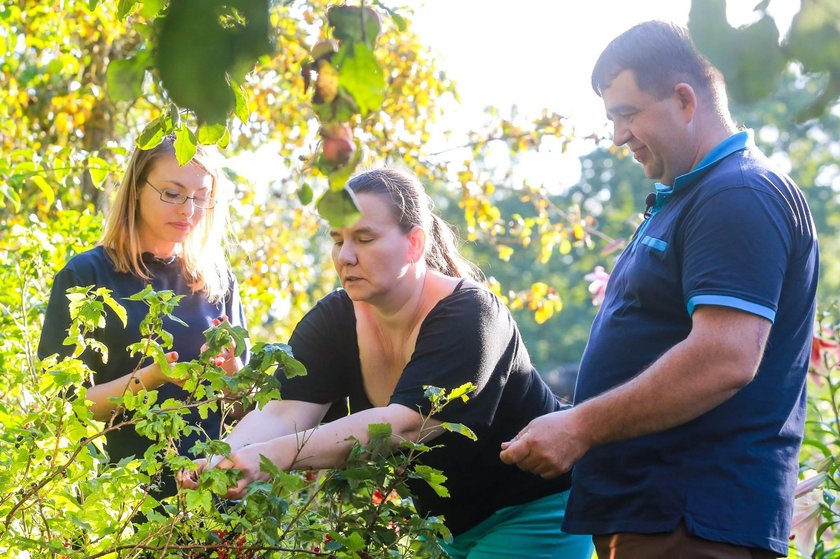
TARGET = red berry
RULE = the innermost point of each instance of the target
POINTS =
(338, 145)
(377, 497)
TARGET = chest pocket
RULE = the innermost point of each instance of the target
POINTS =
(656, 244)
(651, 275)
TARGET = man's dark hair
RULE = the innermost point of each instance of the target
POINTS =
(660, 54)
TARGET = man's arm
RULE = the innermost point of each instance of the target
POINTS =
(719, 357)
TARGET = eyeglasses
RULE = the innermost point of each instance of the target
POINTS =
(176, 197)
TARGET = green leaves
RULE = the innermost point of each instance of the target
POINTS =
(87, 314)
(209, 134)
(124, 77)
(339, 208)
(266, 356)
(813, 37)
(349, 82)
(304, 194)
(98, 169)
(361, 76)
(751, 58)
(154, 132)
(45, 188)
(57, 461)
(433, 477)
(354, 24)
(185, 145)
(203, 45)
(125, 7)
(441, 397)
(460, 429)
(814, 40)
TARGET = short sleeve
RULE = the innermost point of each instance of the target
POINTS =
(323, 341)
(468, 337)
(57, 316)
(736, 248)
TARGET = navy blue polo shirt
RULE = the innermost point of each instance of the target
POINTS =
(736, 233)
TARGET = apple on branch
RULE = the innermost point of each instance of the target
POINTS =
(337, 145)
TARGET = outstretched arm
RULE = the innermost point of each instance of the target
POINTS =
(326, 446)
(719, 357)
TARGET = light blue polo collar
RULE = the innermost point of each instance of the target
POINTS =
(735, 142)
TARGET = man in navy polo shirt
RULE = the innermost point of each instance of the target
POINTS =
(690, 400)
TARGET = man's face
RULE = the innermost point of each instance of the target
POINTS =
(655, 130)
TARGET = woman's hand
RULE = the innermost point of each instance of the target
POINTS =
(153, 375)
(149, 377)
(246, 460)
(188, 479)
(226, 359)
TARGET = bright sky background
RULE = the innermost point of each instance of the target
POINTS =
(538, 54)
(535, 54)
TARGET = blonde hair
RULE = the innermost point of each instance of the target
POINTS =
(203, 254)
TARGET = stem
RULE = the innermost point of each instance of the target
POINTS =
(46, 170)
(302, 509)
(61, 469)
(206, 547)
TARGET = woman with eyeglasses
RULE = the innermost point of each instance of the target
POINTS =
(165, 228)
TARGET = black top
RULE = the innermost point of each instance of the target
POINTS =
(95, 268)
(469, 336)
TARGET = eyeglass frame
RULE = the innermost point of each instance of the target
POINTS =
(195, 199)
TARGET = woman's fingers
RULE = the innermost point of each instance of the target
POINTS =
(189, 478)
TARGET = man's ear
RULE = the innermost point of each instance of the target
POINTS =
(416, 244)
(686, 99)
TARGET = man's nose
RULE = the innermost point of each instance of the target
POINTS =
(621, 134)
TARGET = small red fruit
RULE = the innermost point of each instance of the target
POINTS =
(338, 145)
(377, 497)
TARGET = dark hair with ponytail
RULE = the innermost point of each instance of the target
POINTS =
(411, 207)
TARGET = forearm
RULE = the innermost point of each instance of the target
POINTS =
(260, 425)
(100, 395)
(684, 383)
(329, 445)
(719, 357)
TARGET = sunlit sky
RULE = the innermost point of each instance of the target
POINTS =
(535, 54)
(538, 54)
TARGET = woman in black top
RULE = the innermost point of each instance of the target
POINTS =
(411, 313)
(165, 228)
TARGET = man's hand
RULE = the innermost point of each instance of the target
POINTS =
(548, 446)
